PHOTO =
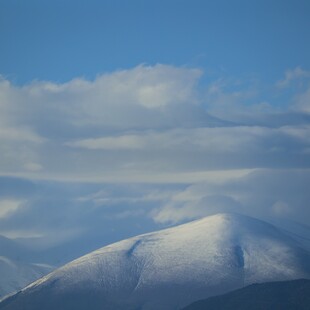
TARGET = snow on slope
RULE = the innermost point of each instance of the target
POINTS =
(16, 269)
(171, 268)
(16, 275)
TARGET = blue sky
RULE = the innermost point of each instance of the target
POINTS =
(120, 117)
(60, 40)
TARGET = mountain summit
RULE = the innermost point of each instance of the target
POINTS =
(171, 268)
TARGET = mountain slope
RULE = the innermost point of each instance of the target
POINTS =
(171, 268)
(16, 275)
(16, 269)
(284, 295)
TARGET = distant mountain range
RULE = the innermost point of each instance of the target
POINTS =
(284, 295)
(18, 267)
(170, 269)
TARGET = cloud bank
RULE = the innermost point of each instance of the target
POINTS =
(153, 142)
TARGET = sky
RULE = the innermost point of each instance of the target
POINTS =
(122, 117)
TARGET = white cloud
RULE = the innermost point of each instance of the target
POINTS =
(19, 135)
(302, 101)
(50, 114)
(267, 194)
(190, 154)
(291, 75)
(33, 166)
(111, 143)
(297, 86)
(9, 206)
(144, 124)
(140, 97)
(210, 140)
(301, 133)
(169, 150)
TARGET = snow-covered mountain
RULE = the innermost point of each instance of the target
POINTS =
(16, 269)
(171, 268)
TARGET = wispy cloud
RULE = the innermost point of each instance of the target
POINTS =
(9, 206)
(292, 75)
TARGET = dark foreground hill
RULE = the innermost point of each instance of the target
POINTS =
(283, 295)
